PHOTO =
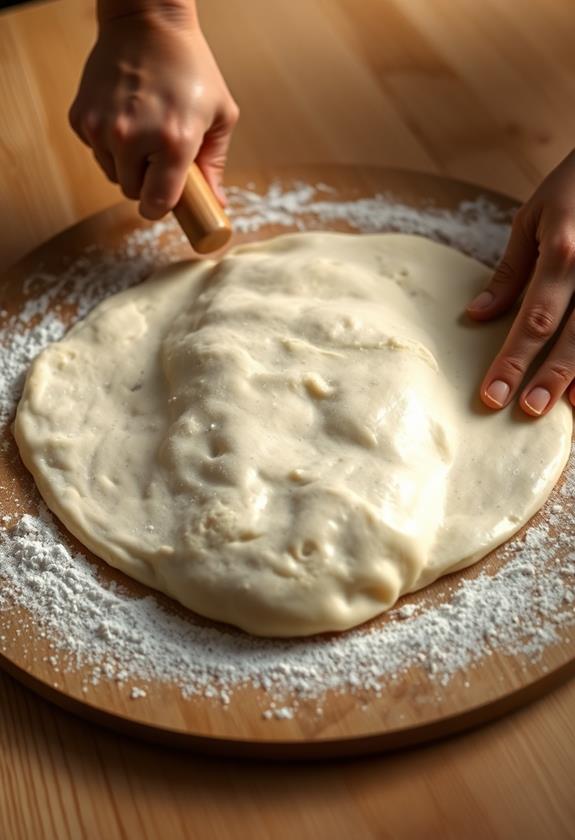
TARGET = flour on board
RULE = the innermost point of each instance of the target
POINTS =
(521, 609)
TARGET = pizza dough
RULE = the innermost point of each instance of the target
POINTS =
(289, 439)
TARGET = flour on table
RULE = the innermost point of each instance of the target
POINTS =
(522, 609)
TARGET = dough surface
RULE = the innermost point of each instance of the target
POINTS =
(288, 440)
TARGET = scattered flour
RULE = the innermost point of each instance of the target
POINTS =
(284, 713)
(137, 693)
(115, 635)
(477, 227)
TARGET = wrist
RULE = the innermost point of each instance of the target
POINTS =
(178, 12)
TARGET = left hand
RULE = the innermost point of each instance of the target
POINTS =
(540, 260)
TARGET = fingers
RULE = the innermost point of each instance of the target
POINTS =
(124, 149)
(538, 320)
(151, 163)
(555, 375)
(167, 170)
(162, 186)
(511, 275)
(214, 150)
(91, 131)
(128, 144)
(75, 119)
(107, 164)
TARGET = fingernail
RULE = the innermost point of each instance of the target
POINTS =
(482, 301)
(498, 392)
(537, 400)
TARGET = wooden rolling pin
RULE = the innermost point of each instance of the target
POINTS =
(201, 216)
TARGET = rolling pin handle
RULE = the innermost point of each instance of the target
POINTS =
(201, 216)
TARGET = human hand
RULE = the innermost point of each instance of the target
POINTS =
(151, 101)
(540, 259)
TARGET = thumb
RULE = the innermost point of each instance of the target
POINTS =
(213, 152)
(510, 277)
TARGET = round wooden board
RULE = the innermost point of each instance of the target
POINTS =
(412, 708)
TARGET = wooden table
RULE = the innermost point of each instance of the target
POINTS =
(480, 91)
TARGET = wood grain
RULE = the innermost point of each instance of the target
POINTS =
(65, 780)
(475, 91)
(481, 91)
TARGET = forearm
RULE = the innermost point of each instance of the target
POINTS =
(178, 11)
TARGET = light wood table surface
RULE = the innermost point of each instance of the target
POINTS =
(479, 91)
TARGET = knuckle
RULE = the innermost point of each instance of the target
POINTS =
(174, 141)
(562, 245)
(86, 123)
(74, 116)
(538, 324)
(168, 136)
(512, 366)
(92, 125)
(120, 130)
(562, 372)
(232, 114)
(504, 273)
(186, 136)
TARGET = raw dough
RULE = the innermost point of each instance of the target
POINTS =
(288, 440)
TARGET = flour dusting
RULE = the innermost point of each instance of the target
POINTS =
(114, 635)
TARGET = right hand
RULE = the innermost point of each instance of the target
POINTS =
(539, 263)
(151, 101)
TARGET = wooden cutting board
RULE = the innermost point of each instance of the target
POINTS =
(413, 708)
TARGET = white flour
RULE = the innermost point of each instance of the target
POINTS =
(521, 609)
